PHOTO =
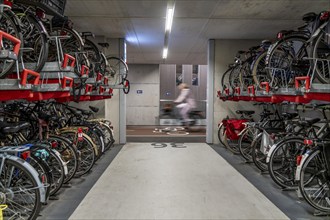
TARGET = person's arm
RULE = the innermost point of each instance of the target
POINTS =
(183, 95)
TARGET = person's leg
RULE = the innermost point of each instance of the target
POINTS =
(184, 114)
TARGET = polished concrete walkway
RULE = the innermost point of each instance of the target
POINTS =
(173, 182)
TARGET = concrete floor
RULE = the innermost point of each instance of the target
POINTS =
(164, 181)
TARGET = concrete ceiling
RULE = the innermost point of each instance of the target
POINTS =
(142, 23)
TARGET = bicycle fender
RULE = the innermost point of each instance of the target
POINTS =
(316, 33)
(65, 167)
(273, 147)
(34, 173)
(303, 159)
(243, 131)
(44, 30)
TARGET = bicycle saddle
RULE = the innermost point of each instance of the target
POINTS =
(289, 116)
(94, 109)
(308, 122)
(245, 112)
(9, 128)
(266, 114)
(309, 17)
(104, 44)
(87, 34)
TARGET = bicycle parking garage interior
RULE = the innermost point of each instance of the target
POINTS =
(165, 109)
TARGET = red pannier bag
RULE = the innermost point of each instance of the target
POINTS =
(233, 127)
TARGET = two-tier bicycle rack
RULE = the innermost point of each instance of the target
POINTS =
(305, 90)
(57, 80)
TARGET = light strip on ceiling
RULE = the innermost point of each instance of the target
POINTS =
(165, 51)
(169, 19)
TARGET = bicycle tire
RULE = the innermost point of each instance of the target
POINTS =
(258, 157)
(69, 154)
(244, 144)
(313, 175)
(259, 72)
(86, 151)
(9, 23)
(282, 162)
(224, 75)
(94, 57)
(74, 46)
(21, 191)
(117, 70)
(321, 50)
(234, 80)
(34, 37)
(221, 134)
(43, 170)
(286, 61)
(56, 165)
(245, 76)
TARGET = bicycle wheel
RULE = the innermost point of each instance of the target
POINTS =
(35, 38)
(98, 141)
(225, 78)
(86, 151)
(245, 143)
(69, 154)
(43, 170)
(117, 70)
(94, 57)
(321, 50)
(259, 157)
(72, 45)
(221, 134)
(314, 181)
(282, 162)
(9, 24)
(259, 73)
(234, 80)
(56, 165)
(286, 61)
(19, 190)
(108, 135)
(245, 76)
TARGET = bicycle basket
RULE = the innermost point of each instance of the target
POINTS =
(51, 7)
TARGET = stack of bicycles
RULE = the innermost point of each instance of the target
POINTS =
(43, 146)
(292, 149)
(47, 42)
(294, 53)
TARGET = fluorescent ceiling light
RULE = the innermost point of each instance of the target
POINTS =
(169, 19)
(165, 51)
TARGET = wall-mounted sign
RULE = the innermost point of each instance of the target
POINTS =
(139, 91)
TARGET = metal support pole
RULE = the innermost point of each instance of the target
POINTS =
(210, 91)
(122, 98)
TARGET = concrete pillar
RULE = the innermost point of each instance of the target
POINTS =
(115, 108)
(210, 91)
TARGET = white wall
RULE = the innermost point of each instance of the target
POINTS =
(143, 108)
(225, 51)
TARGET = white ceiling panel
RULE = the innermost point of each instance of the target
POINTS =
(195, 9)
(246, 29)
(268, 9)
(95, 8)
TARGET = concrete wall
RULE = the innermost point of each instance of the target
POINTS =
(225, 51)
(143, 99)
